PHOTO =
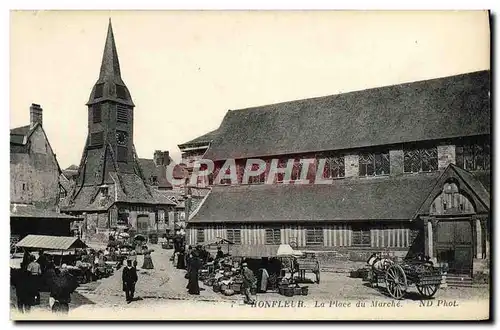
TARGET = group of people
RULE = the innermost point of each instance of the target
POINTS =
(37, 274)
(194, 259)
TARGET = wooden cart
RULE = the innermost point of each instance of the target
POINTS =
(308, 263)
(398, 277)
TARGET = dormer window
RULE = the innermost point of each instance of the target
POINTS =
(104, 190)
(99, 88)
(120, 92)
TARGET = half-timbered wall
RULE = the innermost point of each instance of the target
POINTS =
(333, 235)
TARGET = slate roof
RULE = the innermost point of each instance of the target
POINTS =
(150, 169)
(110, 76)
(31, 211)
(390, 198)
(203, 139)
(51, 242)
(439, 108)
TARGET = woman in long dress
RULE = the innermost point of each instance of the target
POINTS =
(181, 260)
(148, 261)
(194, 266)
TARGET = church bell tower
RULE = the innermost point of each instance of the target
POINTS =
(111, 116)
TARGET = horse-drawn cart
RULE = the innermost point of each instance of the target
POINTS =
(398, 277)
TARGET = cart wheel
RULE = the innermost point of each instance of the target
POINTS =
(395, 281)
(317, 277)
(428, 291)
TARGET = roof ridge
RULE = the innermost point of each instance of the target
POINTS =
(315, 98)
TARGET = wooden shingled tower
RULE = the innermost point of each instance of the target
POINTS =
(109, 159)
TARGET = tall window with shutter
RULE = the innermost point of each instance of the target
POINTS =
(314, 236)
(360, 235)
(97, 139)
(96, 113)
(234, 235)
(122, 113)
(273, 236)
(200, 235)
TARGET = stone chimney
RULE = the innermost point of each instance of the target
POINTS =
(35, 114)
(161, 158)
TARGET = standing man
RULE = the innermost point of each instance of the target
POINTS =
(249, 282)
(35, 272)
(129, 278)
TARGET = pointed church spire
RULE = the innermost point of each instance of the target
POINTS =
(110, 66)
(110, 85)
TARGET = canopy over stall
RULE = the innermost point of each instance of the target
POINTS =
(263, 251)
(51, 242)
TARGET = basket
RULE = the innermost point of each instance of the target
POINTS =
(305, 290)
(297, 291)
(286, 291)
(216, 288)
(224, 287)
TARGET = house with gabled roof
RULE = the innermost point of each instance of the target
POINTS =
(407, 169)
(35, 185)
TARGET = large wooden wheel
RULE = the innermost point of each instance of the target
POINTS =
(395, 281)
(317, 276)
(428, 290)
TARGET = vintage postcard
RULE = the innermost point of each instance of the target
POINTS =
(250, 165)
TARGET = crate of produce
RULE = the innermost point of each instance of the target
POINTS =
(236, 287)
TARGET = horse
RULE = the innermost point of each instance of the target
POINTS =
(378, 265)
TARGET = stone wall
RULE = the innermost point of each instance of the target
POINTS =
(34, 176)
(446, 156)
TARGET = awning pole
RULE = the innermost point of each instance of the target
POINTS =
(60, 262)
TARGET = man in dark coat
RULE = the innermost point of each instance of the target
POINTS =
(219, 254)
(42, 261)
(194, 266)
(129, 278)
(25, 295)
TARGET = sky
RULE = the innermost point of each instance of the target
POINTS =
(185, 70)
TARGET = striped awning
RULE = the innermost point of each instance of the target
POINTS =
(51, 242)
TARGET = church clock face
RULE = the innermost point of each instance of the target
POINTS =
(121, 138)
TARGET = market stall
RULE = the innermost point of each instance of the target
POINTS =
(273, 266)
(62, 249)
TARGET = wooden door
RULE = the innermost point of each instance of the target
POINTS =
(454, 245)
